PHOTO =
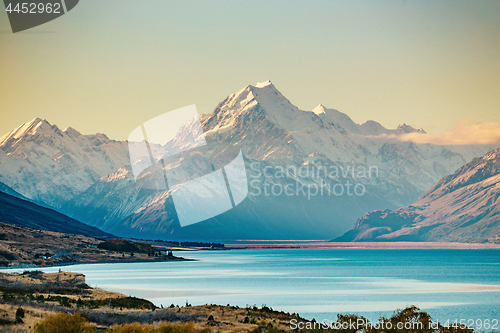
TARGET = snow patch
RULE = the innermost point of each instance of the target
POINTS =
(263, 84)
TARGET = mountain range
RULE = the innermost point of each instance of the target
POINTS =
(89, 177)
(464, 207)
(49, 165)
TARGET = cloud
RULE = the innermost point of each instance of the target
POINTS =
(465, 132)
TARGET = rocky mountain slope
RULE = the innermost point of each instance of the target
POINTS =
(462, 207)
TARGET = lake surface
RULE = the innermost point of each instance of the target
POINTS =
(318, 283)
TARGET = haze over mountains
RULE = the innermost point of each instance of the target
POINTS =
(89, 177)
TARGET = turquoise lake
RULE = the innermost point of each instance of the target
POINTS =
(317, 283)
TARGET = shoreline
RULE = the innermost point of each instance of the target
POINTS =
(293, 245)
(267, 245)
(73, 263)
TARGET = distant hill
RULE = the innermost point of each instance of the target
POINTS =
(16, 211)
(23, 246)
(462, 207)
(26, 246)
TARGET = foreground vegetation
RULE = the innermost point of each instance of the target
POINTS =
(34, 301)
(410, 319)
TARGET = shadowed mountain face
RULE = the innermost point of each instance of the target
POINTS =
(23, 213)
(462, 207)
(89, 178)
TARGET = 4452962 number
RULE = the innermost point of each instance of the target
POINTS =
(34, 8)
(473, 324)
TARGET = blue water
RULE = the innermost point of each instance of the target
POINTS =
(449, 284)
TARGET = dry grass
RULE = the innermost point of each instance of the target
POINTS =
(235, 319)
(32, 316)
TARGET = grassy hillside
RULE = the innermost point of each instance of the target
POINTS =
(20, 246)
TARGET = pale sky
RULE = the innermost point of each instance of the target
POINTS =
(110, 65)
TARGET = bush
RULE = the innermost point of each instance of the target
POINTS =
(177, 328)
(36, 274)
(131, 328)
(123, 245)
(131, 303)
(8, 297)
(64, 323)
(19, 313)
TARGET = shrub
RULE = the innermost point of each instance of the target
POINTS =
(62, 300)
(132, 328)
(20, 312)
(64, 323)
(36, 274)
(177, 328)
(7, 296)
(123, 245)
(131, 303)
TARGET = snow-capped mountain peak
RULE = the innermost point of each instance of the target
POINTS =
(71, 131)
(263, 84)
(371, 127)
(37, 125)
(319, 109)
(46, 164)
(405, 129)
